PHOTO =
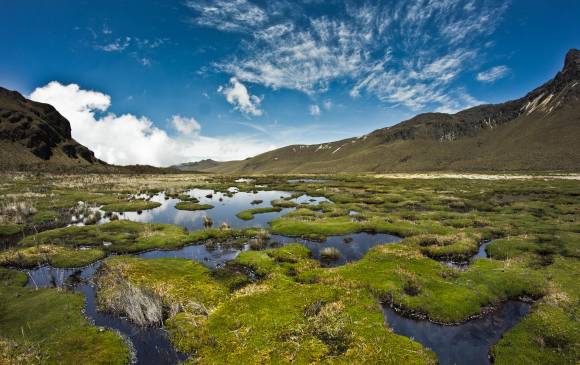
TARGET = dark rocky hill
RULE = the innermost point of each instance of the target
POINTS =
(32, 133)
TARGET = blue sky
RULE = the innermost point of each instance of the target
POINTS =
(186, 80)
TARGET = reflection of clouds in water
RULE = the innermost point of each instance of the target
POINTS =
(223, 211)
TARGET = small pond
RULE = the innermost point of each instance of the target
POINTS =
(225, 209)
(467, 343)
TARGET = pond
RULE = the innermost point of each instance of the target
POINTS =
(226, 207)
(150, 345)
(467, 343)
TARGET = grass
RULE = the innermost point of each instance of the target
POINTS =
(130, 206)
(47, 326)
(401, 276)
(190, 205)
(10, 229)
(248, 214)
(56, 256)
(293, 310)
(123, 236)
(179, 284)
(551, 332)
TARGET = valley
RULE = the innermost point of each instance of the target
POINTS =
(347, 265)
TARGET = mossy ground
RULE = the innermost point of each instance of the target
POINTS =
(190, 205)
(46, 326)
(130, 206)
(248, 214)
(298, 311)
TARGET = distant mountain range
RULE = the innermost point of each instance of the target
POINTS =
(538, 132)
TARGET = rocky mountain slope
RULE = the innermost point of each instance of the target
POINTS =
(538, 132)
(35, 133)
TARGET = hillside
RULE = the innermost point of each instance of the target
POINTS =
(34, 133)
(538, 132)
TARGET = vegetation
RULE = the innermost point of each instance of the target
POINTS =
(279, 305)
(248, 214)
(47, 326)
(131, 206)
(190, 205)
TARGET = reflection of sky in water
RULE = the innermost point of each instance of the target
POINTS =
(223, 211)
(466, 343)
(352, 247)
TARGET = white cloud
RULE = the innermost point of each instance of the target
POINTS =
(237, 94)
(408, 52)
(493, 74)
(185, 125)
(118, 45)
(228, 15)
(314, 110)
(129, 139)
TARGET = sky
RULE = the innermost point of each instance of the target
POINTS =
(164, 82)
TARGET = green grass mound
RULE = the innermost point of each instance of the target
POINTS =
(130, 206)
(248, 214)
(280, 321)
(10, 229)
(119, 236)
(143, 289)
(551, 332)
(56, 256)
(47, 326)
(402, 276)
(190, 205)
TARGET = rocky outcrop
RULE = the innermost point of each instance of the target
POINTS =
(38, 127)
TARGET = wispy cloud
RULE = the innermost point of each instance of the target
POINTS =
(493, 74)
(405, 52)
(314, 110)
(228, 15)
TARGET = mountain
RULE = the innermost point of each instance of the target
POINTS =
(34, 133)
(202, 165)
(538, 132)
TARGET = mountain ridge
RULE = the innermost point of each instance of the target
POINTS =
(33, 133)
(539, 131)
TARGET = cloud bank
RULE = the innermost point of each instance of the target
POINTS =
(128, 139)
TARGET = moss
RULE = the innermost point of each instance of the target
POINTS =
(458, 247)
(292, 258)
(283, 203)
(56, 256)
(46, 216)
(189, 205)
(281, 321)
(10, 229)
(248, 214)
(52, 322)
(550, 334)
(123, 236)
(10, 277)
(130, 206)
(402, 276)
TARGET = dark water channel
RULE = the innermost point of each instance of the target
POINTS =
(466, 343)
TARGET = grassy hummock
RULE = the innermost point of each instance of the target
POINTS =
(56, 256)
(190, 205)
(46, 326)
(130, 206)
(248, 214)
